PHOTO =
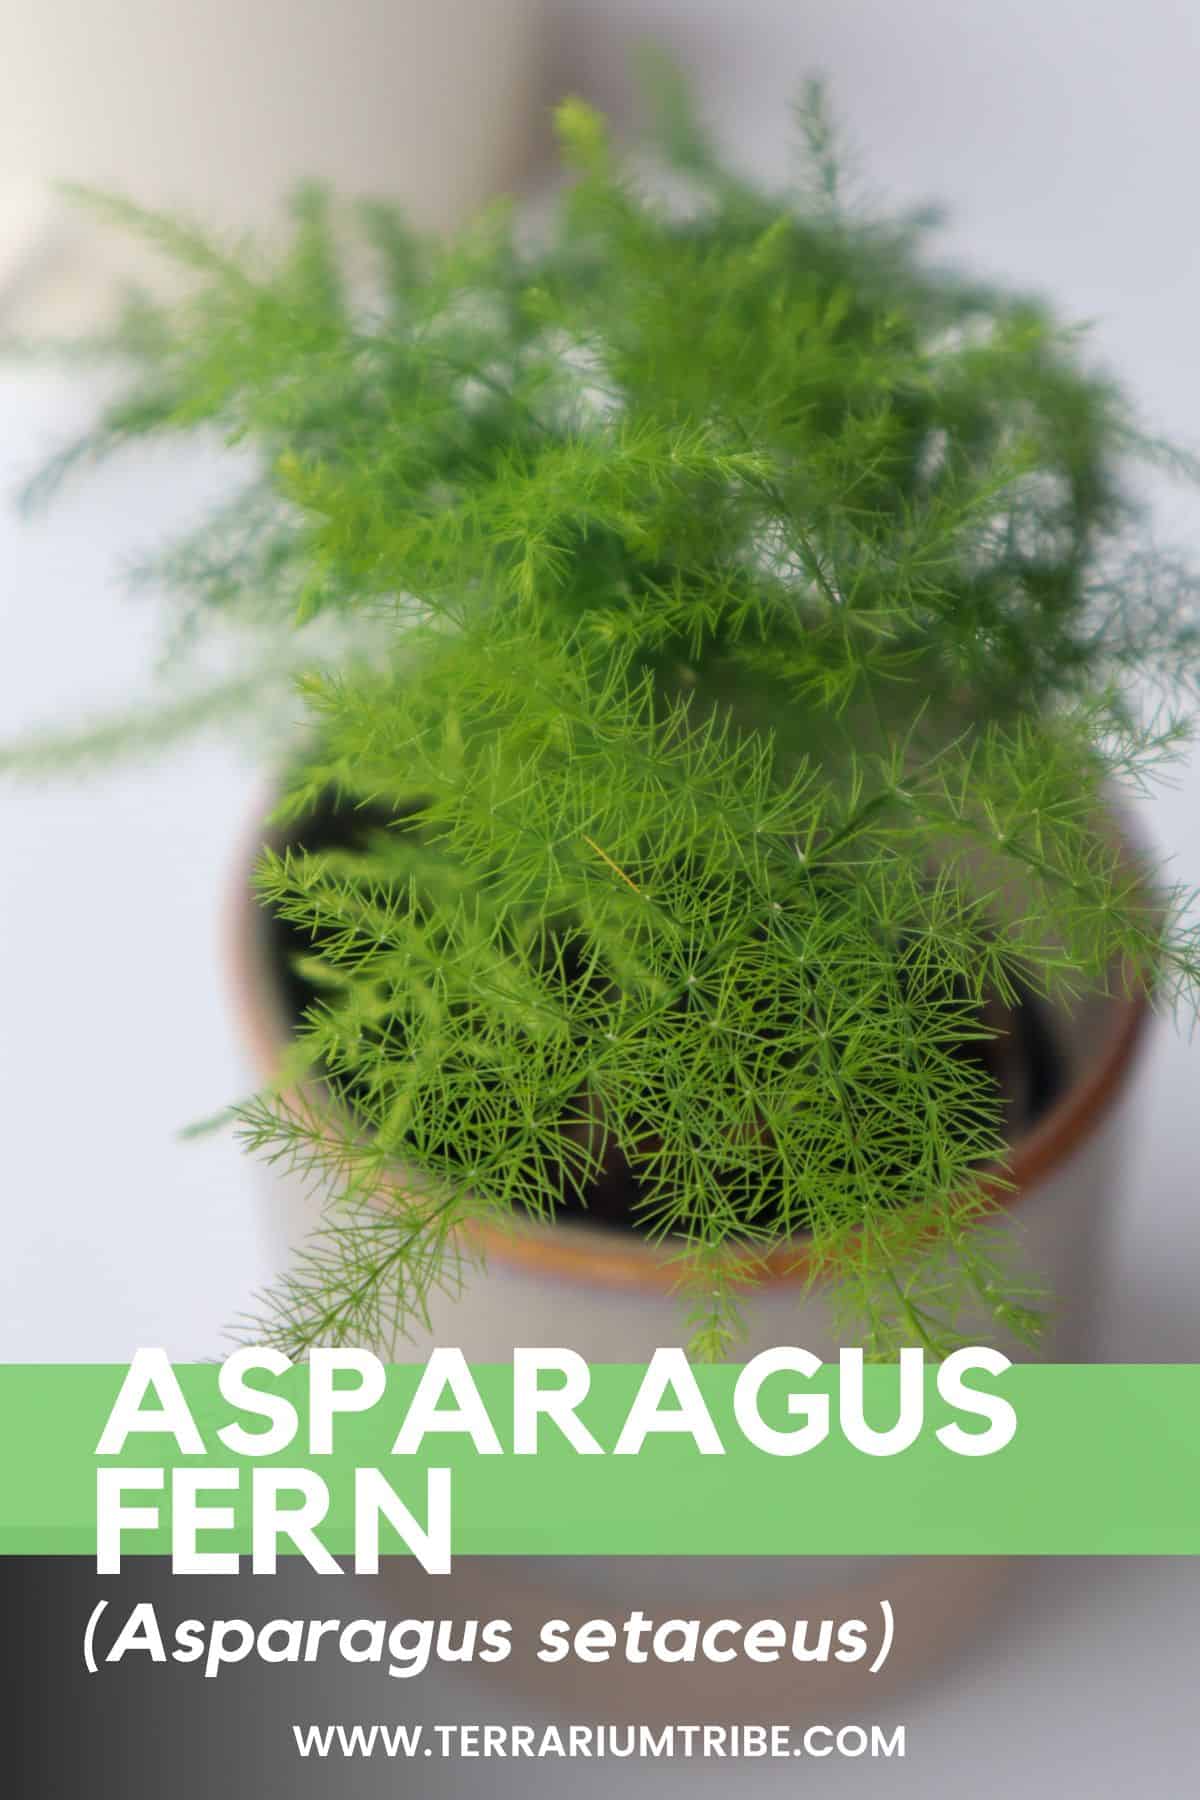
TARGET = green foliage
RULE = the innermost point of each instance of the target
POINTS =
(723, 627)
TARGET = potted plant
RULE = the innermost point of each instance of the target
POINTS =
(697, 885)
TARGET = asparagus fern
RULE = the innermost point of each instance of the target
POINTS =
(721, 630)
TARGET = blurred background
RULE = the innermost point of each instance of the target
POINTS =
(1062, 137)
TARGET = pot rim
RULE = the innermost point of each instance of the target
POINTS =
(601, 1255)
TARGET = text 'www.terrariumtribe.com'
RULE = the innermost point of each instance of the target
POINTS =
(599, 1742)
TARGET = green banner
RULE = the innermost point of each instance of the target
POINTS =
(1105, 1460)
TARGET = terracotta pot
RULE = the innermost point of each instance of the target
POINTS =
(608, 1295)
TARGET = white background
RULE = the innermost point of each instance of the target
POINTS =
(1063, 136)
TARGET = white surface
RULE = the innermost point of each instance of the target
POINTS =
(1064, 137)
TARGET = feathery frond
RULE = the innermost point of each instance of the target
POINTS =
(717, 634)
